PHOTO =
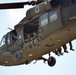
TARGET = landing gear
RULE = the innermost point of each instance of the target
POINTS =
(51, 61)
(18, 55)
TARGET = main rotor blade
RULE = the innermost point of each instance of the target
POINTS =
(10, 6)
(19, 5)
(16, 5)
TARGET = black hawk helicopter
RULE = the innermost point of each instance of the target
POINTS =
(47, 27)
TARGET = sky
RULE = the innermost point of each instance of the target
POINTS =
(65, 65)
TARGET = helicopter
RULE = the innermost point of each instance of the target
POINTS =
(47, 27)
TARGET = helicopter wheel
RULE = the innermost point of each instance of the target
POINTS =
(18, 55)
(51, 61)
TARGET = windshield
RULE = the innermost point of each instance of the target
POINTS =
(2, 41)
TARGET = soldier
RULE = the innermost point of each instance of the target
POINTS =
(56, 52)
(71, 47)
(28, 42)
(65, 48)
(60, 50)
(40, 36)
(35, 41)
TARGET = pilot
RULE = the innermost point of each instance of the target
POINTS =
(71, 47)
(65, 48)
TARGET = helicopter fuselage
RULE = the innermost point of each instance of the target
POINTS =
(39, 36)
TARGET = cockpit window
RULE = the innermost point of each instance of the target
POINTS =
(11, 37)
(2, 41)
(8, 39)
